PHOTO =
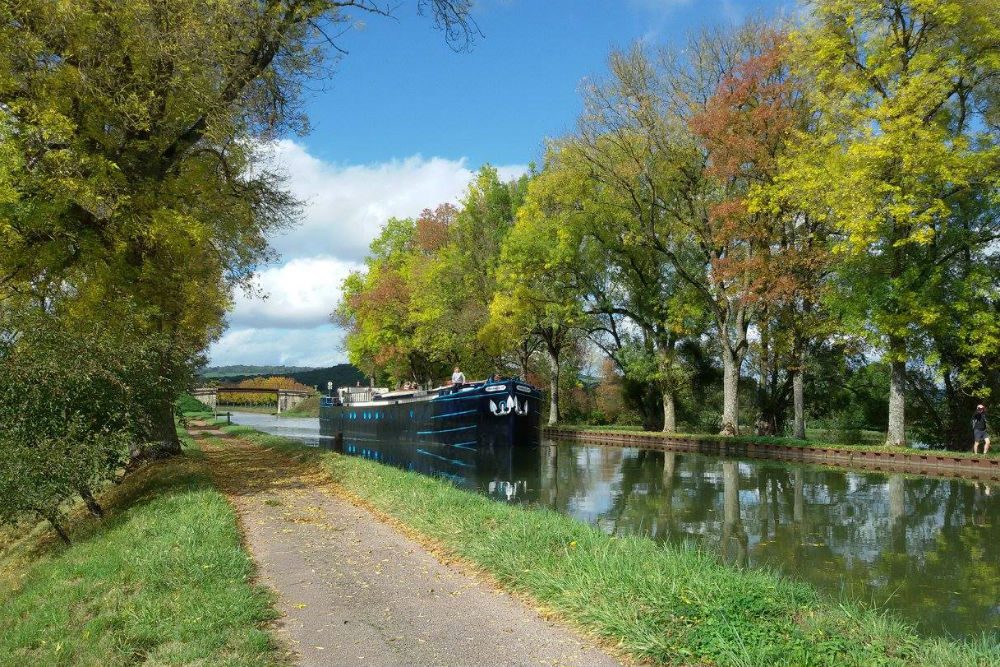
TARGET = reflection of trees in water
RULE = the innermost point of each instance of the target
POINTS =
(938, 544)
(634, 509)
(929, 547)
(573, 473)
(665, 525)
(734, 542)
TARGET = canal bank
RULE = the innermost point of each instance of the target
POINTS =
(885, 459)
(918, 546)
(162, 579)
(667, 604)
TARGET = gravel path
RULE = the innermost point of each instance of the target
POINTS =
(353, 590)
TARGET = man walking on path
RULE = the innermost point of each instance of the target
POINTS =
(979, 432)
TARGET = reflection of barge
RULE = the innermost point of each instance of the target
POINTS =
(446, 422)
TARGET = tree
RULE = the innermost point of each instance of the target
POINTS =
(646, 136)
(72, 406)
(138, 183)
(902, 89)
(375, 308)
(419, 305)
(454, 285)
(537, 295)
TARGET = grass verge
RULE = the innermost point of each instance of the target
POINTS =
(774, 440)
(657, 603)
(162, 579)
(307, 408)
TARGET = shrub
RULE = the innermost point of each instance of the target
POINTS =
(188, 403)
(72, 405)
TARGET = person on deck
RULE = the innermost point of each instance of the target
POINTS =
(457, 378)
(979, 432)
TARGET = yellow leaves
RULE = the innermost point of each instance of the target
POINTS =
(54, 126)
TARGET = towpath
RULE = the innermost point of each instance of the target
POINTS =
(353, 590)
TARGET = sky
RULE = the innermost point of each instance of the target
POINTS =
(402, 124)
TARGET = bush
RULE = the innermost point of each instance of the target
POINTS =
(188, 403)
(72, 406)
(599, 418)
(628, 417)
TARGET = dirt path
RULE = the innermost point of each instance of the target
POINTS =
(353, 590)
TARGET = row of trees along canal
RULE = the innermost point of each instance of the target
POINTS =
(811, 207)
(135, 196)
(262, 398)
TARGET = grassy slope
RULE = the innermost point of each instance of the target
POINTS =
(163, 579)
(663, 604)
(307, 408)
(774, 440)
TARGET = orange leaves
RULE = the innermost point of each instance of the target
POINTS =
(431, 233)
(747, 120)
(744, 128)
(275, 382)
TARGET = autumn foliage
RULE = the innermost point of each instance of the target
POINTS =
(263, 398)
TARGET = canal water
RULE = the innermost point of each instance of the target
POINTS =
(928, 549)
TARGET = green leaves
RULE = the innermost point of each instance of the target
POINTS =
(73, 404)
(417, 308)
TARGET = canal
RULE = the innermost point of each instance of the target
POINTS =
(928, 549)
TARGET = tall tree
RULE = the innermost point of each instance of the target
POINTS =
(375, 308)
(902, 88)
(136, 130)
(646, 135)
(453, 288)
(538, 294)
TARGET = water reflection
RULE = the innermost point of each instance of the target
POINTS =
(304, 429)
(927, 548)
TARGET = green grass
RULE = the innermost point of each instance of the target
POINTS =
(658, 603)
(775, 440)
(307, 408)
(163, 579)
(853, 436)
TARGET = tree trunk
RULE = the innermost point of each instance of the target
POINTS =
(798, 398)
(163, 441)
(765, 398)
(523, 359)
(896, 432)
(54, 522)
(669, 412)
(553, 388)
(730, 393)
(896, 489)
(91, 502)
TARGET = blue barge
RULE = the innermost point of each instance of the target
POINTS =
(458, 425)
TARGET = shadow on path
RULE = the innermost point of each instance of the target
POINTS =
(354, 590)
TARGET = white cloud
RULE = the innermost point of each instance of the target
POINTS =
(318, 346)
(345, 207)
(300, 294)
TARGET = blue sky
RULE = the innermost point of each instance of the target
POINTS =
(403, 123)
(401, 91)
